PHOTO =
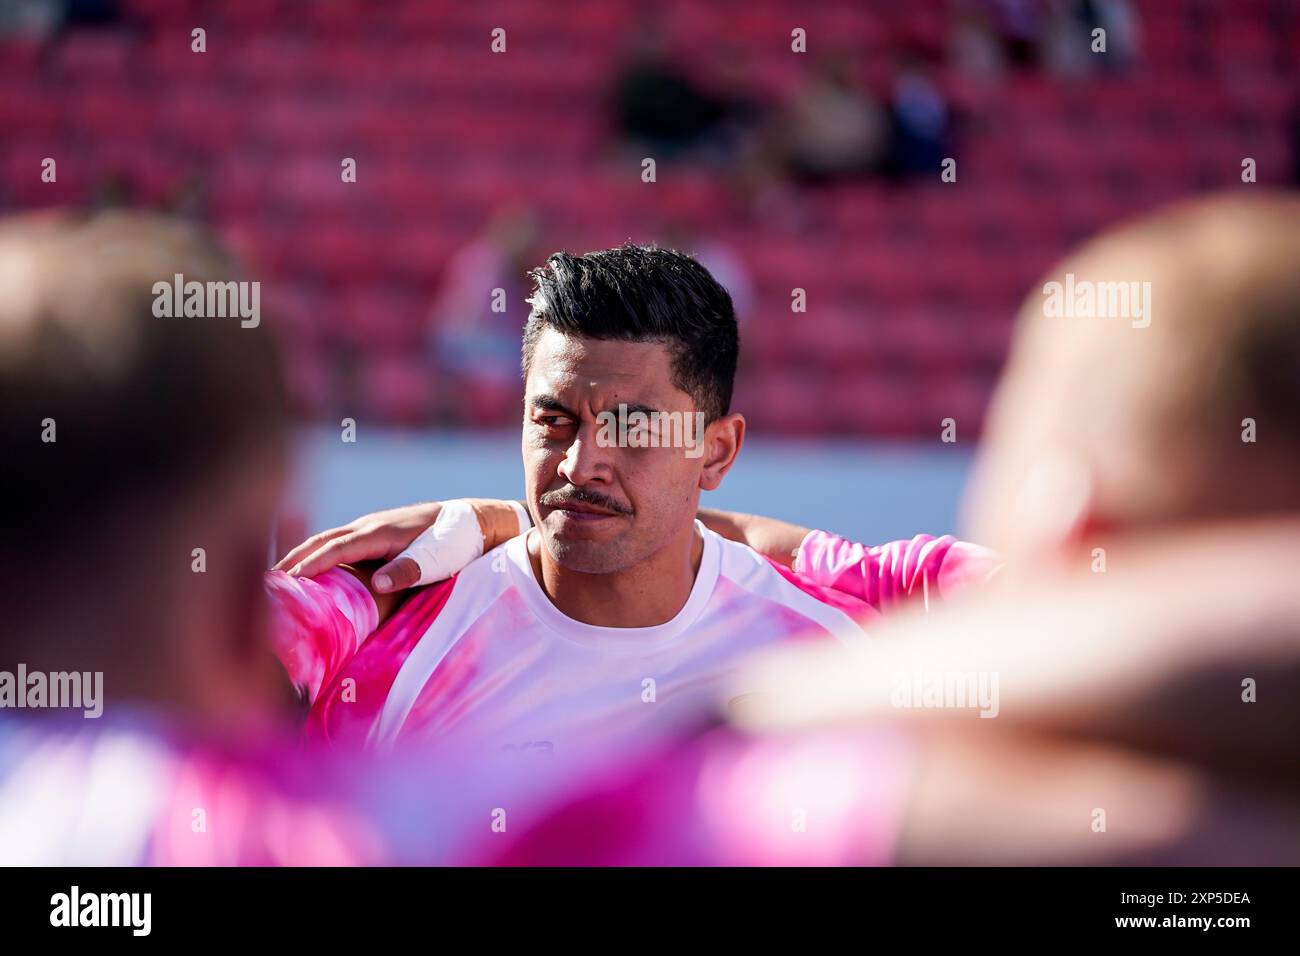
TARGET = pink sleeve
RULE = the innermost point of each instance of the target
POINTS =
(319, 624)
(925, 568)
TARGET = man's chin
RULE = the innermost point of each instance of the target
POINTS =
(585, 556)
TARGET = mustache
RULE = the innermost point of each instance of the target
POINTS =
(571, 495)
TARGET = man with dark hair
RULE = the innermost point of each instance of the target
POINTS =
(642, 329)
(620, 610)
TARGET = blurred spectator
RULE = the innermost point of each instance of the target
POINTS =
(1068, 40)
(724, 263)
(657, 105)
(33, 19)
(833, 129)
(56, 21)
(921, 121)
(91, 13)
(1019, 27)
(475, 331)
(976, 49)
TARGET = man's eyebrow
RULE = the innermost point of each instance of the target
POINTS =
(549, 403)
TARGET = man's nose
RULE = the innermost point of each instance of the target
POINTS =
(586, 460)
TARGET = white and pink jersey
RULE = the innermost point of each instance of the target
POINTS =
(128, 792)
(487, 654)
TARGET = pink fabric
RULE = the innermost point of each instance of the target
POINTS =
(349, 705)
(924, 568)
(129, 792)
(222, 812)
(320, 624)
(830, 799)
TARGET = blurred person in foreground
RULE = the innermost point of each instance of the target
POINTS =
(143, 717)
(136, 690)
(1138, 653)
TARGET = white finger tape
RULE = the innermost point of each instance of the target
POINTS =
(453, 541)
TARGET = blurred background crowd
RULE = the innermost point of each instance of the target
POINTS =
(818, 171)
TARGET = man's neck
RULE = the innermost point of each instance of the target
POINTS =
(645, 595)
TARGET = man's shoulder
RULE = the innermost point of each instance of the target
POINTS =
(741, 564)
(763, 579)
(480, 582)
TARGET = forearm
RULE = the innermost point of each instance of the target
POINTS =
(498, 519)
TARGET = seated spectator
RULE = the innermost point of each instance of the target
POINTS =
(659, 107)
(921, 121)
(1019, 27)
(474, 332)
(1068, 40)
(833, 129)
(975, 47)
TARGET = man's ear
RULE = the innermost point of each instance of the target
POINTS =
(722, 440)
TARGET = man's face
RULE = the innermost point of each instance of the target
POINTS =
(602, 508)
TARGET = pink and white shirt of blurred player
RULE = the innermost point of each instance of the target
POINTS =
(823, 798)
(486, 653)
(924, 568)
(128, 793)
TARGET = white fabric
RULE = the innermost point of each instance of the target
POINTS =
(502, 659)
(452, 542)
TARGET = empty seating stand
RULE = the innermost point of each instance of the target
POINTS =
(910, 289)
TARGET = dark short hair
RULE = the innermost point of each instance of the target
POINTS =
(643, 294)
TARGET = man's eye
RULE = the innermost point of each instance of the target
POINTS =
(556, 421)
